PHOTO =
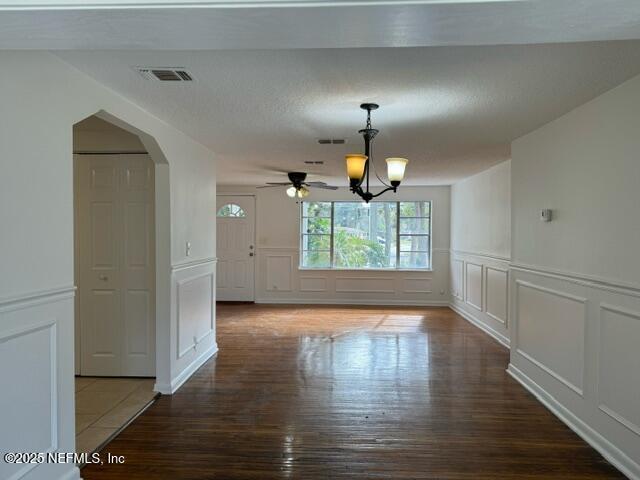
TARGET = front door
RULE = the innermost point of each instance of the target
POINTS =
(235, 248)
(116, 264)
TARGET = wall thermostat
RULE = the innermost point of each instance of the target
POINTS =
(545, 215)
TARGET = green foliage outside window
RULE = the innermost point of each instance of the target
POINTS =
(355, 235)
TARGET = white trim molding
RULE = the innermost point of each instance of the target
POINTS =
(476, 311)
(480, 307)
(339, 301)
(176, 383)
(594, 281)
(196, 340)
(505, 271)
(38, 297)
(607, 449)
(602, 406)
(176, 267)
(481, 255)
(499, 337)
(597, 400)
(12, 334)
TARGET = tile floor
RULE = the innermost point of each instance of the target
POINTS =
(104, 405)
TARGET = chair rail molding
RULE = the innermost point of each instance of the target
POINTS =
(478, 293)
(581, 331)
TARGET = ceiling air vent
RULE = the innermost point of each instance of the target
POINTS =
(332, 141)
(165, 74)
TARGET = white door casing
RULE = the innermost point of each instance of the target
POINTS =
(116, 256)
(236, 249)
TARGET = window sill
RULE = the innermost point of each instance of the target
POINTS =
(387, 270)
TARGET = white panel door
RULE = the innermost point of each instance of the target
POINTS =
(115, 242)
(235, 248)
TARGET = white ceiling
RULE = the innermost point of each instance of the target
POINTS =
(276, 24)
(452, 111)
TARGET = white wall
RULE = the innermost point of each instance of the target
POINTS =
(279, 280)
(41, 99)
(575, 282)
(481, 213)
(481, 249)
(95, 135)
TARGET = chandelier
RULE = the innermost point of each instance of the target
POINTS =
(359, 165)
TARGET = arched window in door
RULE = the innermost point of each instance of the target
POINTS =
(231, 210)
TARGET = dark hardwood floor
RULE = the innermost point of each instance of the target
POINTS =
(350, 393)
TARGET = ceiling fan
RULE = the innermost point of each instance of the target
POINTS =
(298, 186)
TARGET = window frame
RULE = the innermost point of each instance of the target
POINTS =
(231, 205)
(397, 267)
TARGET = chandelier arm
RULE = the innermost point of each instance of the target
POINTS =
(384, 191)
(373, 165)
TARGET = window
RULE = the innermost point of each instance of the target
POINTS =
(415, 235)
(356, 235)
(231, 210)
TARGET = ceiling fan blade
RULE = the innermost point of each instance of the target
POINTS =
(277, 183)
(315, 184)
(271, 186)
(326, 187)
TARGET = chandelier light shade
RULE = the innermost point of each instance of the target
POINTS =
(356, 163)
(359, 165)
(395, 169)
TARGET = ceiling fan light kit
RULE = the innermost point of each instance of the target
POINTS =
(301, 192)
(359, 165)
(298, 186)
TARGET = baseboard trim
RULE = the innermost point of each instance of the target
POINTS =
(609, 451)
(176, 383)
(363, 302)
(500, 338)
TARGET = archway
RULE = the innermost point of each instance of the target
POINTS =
(107, 148)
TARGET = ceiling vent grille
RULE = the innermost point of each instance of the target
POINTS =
(332, 141)
(165, 74)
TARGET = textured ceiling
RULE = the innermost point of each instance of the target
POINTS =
(452, 111)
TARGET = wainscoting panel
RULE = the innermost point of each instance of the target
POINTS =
(193, 320)
(365, 284)
(618, 371)
(479, 286)
(279, 272)
(279, 280)
(36, 367)
(496, 298)
(457, 279)
(575, 346)
(195, 311)
(417, 285)
(313, 284)
(551, 331)
(473, 285)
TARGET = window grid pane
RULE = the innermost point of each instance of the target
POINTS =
(355, 235)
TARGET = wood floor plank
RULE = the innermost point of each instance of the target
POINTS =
(350, 393)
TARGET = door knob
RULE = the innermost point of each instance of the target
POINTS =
(251, 254)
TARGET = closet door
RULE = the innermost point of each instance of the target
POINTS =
(115, 244)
